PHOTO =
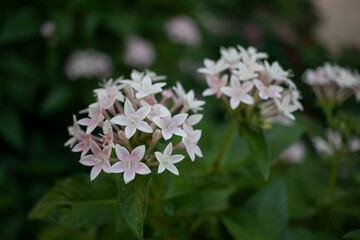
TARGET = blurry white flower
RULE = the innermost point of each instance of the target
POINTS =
(47, 29)
(295, 153)
(139, 52)
(182, 29)
(87, 64)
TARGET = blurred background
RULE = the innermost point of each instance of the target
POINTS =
(53, 53)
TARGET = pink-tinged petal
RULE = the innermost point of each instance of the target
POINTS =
(194, 119)
(143, 112)
(234, 102)
(179, 132)
(144, 127)
(130, 131)
(197, 151)
(84, 153)
(138, 153)
(209, 92)
(228, 91)
(191, 153)
(129, 176)
(176, 158)
(179, 119)
(106, 167)
(263, 95)
(195, 135)
(122, 153)
(128, 108)
(168, 150)
(95, 172)
(107, 151)
(158, 121)
(91, 127)
(119, 120)
(172, 169)
(159, 156)
(234, 82)
(161, 168)
(163, 111)
(95, 148)
(84, 122)
(88, 160)
(259, 85)
(141, 94)
(224, 79)
(246, 99)
(118, 167)
(246, 87)
(166, 134)
(81, 146)
(142, 169)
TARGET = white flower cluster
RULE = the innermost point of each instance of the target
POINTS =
(332, 82)
(334, 142)
(253, 82)
(88, 64)
(131, 116)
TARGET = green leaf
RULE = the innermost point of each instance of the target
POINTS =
(264, 216)
(77, 202)
(133, 200)
(299, 234)
(11, 129)
(57, 99)
(258, 147)
(19, 27)
(352, 235)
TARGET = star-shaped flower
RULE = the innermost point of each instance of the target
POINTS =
(167, 161)
(146, 88)
(266, 92)
(190, 142)
(109, 94)
(130, 164)
(238, 92)
(231, 55)
(215, 84)
(191, 103)
(108, 136)
(276, 72)
(99, 160)
(286, 107)
(133, 119)
(157, 110)
(96, 116)
(170, 125)
(84, 144)
(213, 68)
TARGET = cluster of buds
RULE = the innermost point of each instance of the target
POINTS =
(334, 141)
(332, 83)
(258, 90)
(131, 117)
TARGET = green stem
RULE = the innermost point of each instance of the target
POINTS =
(224, 144)
(334, 173)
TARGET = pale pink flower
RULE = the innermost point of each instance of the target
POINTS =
(215, 84)
(167, 160)
(238, 92)
(146, 87)
(108, 136)
(96, 117)
(84, 144)
(286, 107)
(109, 93)
(133, 119)
(130, 164)
(157, 110)
(99, 160)
(276, 72)
(193, 119)
(266, 92)
(247, 71)
(191, 103)
(139, 52)
(182, 29)
(231, 55)
(190, 141)
(75, 132)
(212, 67)
(170, 125)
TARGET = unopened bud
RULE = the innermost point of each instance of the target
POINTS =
(124, 140)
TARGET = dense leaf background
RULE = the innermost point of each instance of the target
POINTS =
(37, 101)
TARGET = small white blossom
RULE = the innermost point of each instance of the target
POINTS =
(167, 160)
(146, 88)
(238, 92)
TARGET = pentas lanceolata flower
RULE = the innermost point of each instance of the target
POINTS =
(333, 84)
(252, 87)
(128, 119)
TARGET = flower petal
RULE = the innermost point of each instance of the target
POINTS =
(129, 176)
(144, 127)
(95, 172)
(138, 153)
(118, 167)
(172, 169)
(142, 169)
(130, 131)
(119, 120)
(88, 160)
(122, 153)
